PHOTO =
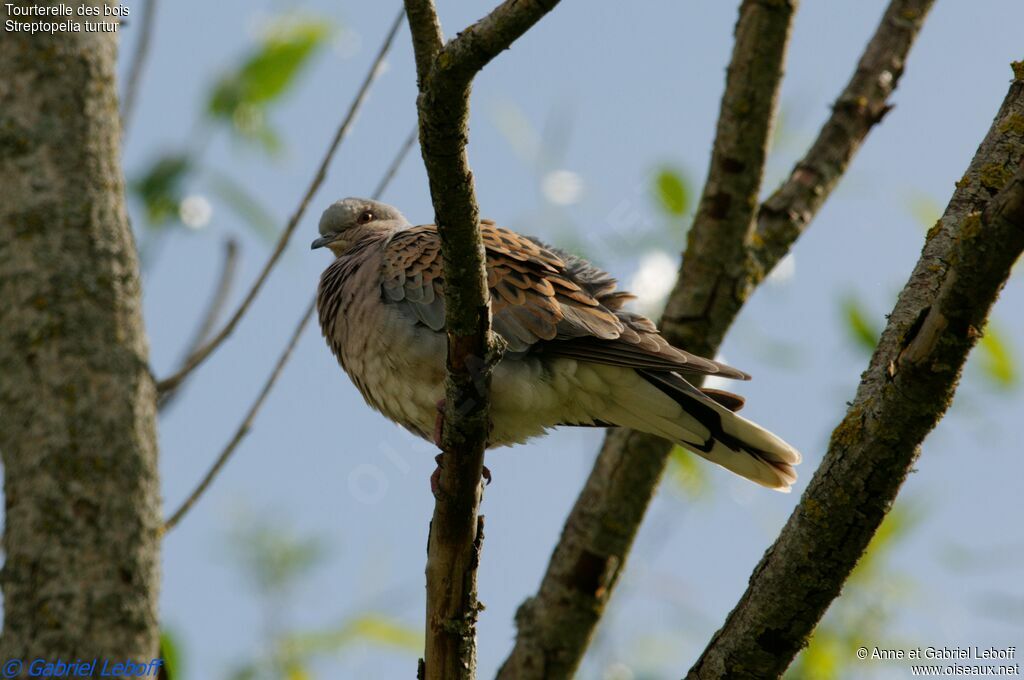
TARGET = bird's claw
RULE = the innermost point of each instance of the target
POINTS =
(435, 477)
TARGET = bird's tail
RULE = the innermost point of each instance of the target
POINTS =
(702, 423)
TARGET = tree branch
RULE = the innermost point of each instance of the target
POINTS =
(392, 170)
(474, 47)
(78, 442)
(444, 75)
(906, 389)
(200, 355)
(716, 278)
(243, 428)
(139, 56)
(427, 38)
(706, 300)
(862, 105)
(214, 309)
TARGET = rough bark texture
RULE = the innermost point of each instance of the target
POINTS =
(77, 403)
(727, 256)
(444, 74)
(907, 388)
(554, 627)
(728, 205)
(717, 278)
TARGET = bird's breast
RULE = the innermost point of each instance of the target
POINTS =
(397, 365)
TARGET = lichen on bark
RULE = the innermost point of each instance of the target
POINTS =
(77, 431)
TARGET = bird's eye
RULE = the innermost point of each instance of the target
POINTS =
(365, 217)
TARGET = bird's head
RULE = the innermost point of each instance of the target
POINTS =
(345, 222)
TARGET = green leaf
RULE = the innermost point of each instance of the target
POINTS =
(821, 659)
(274, 556)
(925, 210)
(386, 631)
(375, 628)
(997, 359)
(247, 206)
(160, 187)
(671, 191)
(170, 652)
(861, 329)
(900, 521)
(296, 671)
(688, 475)
(269, 71)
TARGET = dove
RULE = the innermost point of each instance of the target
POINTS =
(574, 355)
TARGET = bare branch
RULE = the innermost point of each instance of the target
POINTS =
(138, 63)
(392, 170)
(716, 279)
(705, 301)
(904, 393)
(474, 47)
(203, 352)
(444, 75)
(861, 106)
(214, 309)
(243, 428)
(427, 38)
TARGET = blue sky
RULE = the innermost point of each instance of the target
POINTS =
(612, 91)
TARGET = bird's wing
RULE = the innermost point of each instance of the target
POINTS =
(542, 300)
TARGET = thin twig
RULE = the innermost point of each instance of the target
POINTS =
(246, 423)
(133, 81)
(203, 352)
(400, 155)
(716, 280)
(444, 75)
(903, 394)
(214, 309)
(392, 170)
(243, 428)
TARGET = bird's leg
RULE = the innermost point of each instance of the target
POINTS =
(435, 477)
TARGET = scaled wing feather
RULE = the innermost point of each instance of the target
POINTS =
(542, 300)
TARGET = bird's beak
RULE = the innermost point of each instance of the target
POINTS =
(322, 241)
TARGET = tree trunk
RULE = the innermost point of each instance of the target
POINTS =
(77, 401)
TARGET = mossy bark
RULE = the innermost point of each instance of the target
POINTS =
(730, 249)
(77, 402)
(555, 626)
(905, 391)
(445, 74)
